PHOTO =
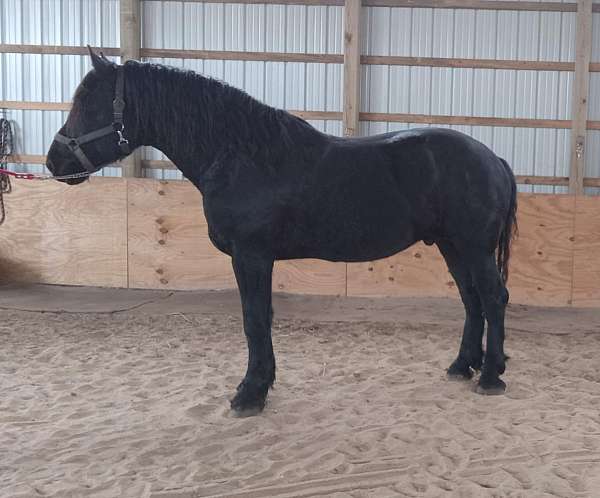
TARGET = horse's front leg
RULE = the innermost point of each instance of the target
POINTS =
(253, 274)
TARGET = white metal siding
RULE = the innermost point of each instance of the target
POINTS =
(547, 36)
(49, 78)
(255, 28)
(279, 28)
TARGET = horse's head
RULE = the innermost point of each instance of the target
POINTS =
(94, 134)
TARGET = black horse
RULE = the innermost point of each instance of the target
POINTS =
(275, 188)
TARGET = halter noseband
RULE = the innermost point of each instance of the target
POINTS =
(117, 126)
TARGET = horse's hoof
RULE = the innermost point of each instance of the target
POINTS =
(459, 377)
(246, 412)
(458, 371)
(493, 388)
(247, 403)
(246, 409)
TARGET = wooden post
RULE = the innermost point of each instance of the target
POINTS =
(352, 15)
(583, 49)
(130, 49)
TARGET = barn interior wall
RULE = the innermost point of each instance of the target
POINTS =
(472, 34)
(144, 233)
(426, 32)
(49, 78)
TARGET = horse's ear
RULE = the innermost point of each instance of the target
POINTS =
(100, 63)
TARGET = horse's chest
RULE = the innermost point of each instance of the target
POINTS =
(238, 216)
(220, 221)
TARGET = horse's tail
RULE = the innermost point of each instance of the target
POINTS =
(510, 226)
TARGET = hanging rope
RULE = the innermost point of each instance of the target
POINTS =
(6, 149)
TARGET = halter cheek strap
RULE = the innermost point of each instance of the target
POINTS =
(74, 143)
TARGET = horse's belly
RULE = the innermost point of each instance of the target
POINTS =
(367, 243)
(354, 232)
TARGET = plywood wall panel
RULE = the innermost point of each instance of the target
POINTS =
(586, 265)
(145, 233)
(418, 271)
(541, 265)
(58, 234)
(542, 262)
(310, 276)
(169, 247)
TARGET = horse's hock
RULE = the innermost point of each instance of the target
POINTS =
(150, 234)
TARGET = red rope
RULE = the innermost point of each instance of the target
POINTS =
(22, 176)
(32, 176)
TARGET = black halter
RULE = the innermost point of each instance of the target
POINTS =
(117, 126)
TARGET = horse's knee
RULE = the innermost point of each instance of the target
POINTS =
(504, 296)
(471, 300)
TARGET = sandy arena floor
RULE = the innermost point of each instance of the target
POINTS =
(135, 403)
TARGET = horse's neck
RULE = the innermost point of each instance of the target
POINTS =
(195, 122)
(177, 127)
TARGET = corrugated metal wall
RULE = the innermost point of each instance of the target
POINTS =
(49, 78)
(548, 36)
(471, 34)
(255, 28)
(592, 162)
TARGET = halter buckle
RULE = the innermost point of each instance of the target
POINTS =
(118, 105)
(119, 128)
(122, 139)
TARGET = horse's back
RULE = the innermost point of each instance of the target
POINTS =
(371, 197)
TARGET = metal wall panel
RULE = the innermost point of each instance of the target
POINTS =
(547, 36)
(592, 163)
(256, 28)
(596, 37)
(296, 28)
(49, 78)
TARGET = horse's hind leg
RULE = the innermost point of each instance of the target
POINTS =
(470, 355)
(253, 274)
(494, 298)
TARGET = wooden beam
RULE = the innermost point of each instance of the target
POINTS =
(583, 51)
(591, 182)
(316, 3)
(430, 4)
(476, 4)
(352, 15)
(318, 115)
(386, 60)
(157, 164)
(555, 181)
(131, 41)
(26, 159)
(18, 105)
(130, 30)
(231, 55)
(465, 120)
(7, 48)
